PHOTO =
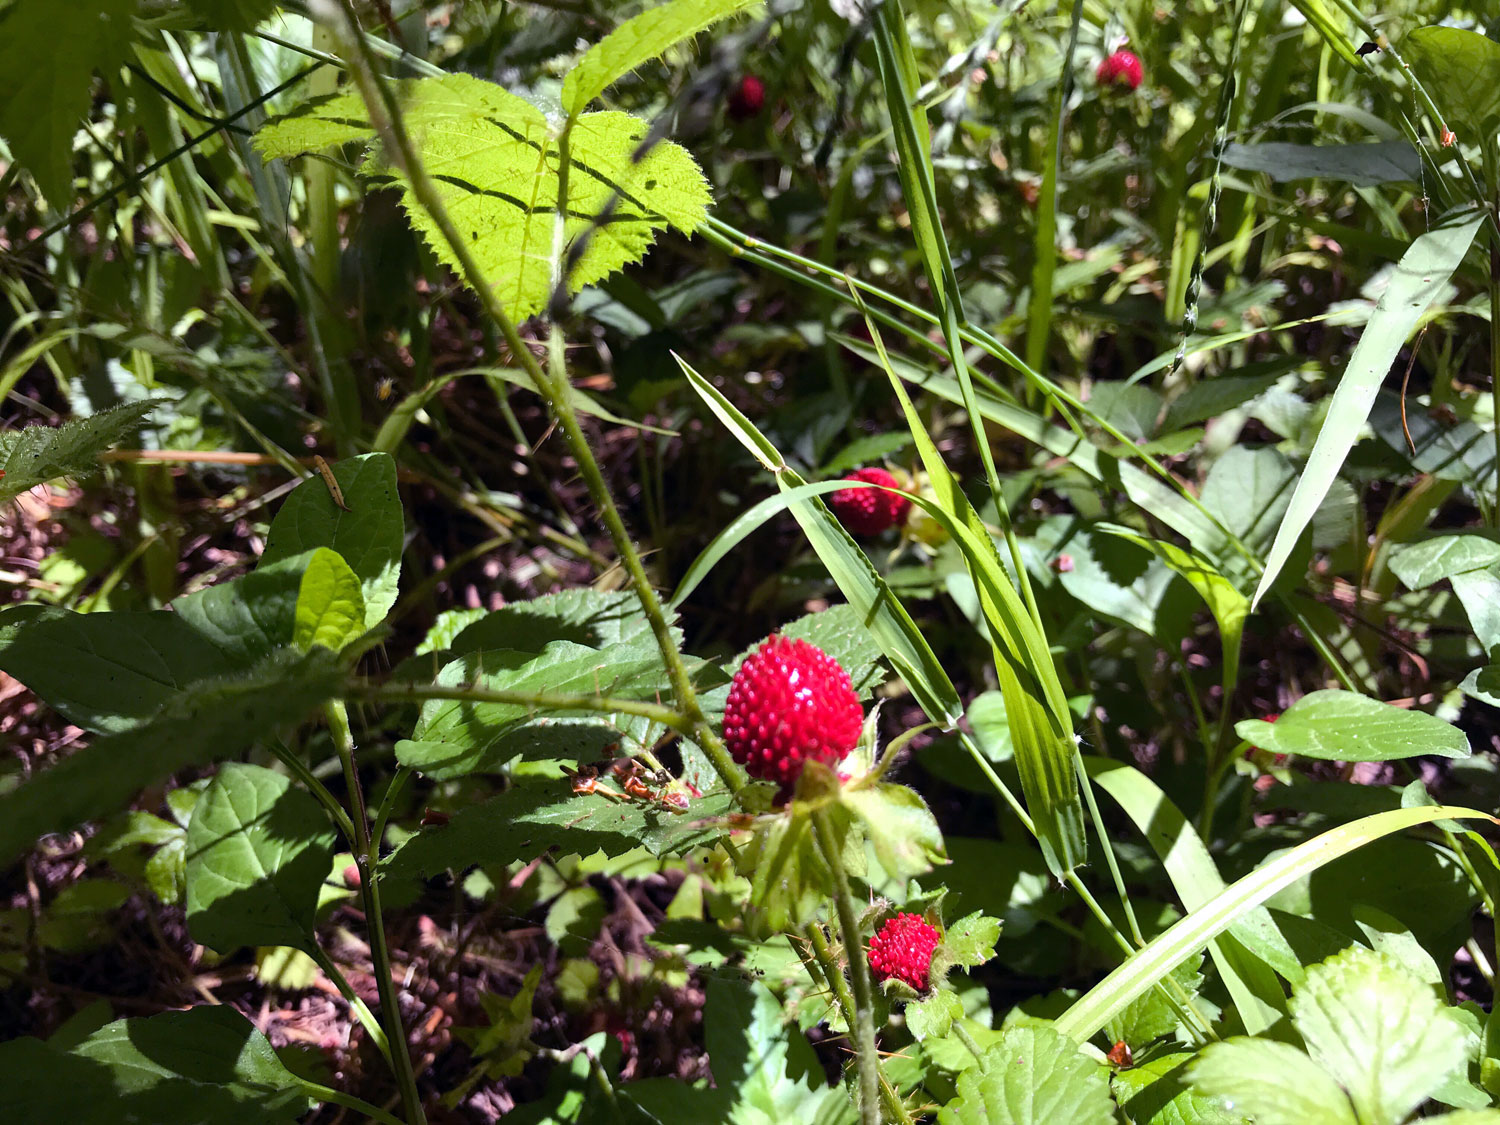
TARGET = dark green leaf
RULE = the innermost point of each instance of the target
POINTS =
(258, 850)
(526, 821)
(106, 671)
(212, 719)
(1461, 70)
(249, 617)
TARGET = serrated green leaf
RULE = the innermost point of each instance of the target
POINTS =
(330, 605)
(971, 940)
(1461, 70)
(1416, 282)
(36, 454)
(368, 534)
(257, 851)
(532, 817)
(1377, 1030)
(1274, 1083)
(209, 720)
(585, 616)
(638, 40)
(456, 737)
(1155, 1092)
(50, 64)
(1032, 1076)
(105, 671)
(899, 826)
(933, 1017)
(494, 159)
(1345, 727)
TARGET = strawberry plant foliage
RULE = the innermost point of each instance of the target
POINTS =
(38, 454)
(494, 160)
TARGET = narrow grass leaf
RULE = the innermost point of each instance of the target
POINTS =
(1416, 282)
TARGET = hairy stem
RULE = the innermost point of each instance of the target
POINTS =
(551, 383)
(863, 1024)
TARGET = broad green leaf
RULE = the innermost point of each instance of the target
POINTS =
(1123, 583)
(933, 1017)
(258, 849)
(1461, 70)
(582, 615)
(1155, 1092)
(36, 454)
(368, 535)
(1420, 565)
(454, 737)
(638, 40)
(209, 720)
(1143, 969)
(1377, 1030)
(105, 671)
(1247, 491)
(249, 617)
(1459, 452)
(1151, 1016)
(1417, 280)
(1032, 1076)
(330, 606)
(1479, 592)
(1341, 726)
(493, 159)
(205, 1064)
(76, 921)
(49, 63)
(971, 940)
(532, 817)
(1363, 165)
(1274, 1083)
(899, 826)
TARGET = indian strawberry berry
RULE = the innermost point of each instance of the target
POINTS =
(868, 511)
(790, 703)
(902, 950)
(747, 98)
(1123, 68)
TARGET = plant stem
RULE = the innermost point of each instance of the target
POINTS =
(551, 700)
(961, 1033)
(863, 1025)
(338, 1097)
(365, 856)
(822, 963)
(359, 1007)
(385, 116)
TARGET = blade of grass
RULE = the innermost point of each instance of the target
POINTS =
(1109, 997)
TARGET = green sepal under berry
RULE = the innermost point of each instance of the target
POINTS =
(931, 1017)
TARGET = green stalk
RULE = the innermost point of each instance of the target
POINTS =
(365, 856)
(360, 1009)
(550, 700)
(863, 1027)
(822, 964)
(349, 1101)
(385, 115)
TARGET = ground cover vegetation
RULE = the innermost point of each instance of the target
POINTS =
(878, 560)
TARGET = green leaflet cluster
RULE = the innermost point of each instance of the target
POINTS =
(494, 159)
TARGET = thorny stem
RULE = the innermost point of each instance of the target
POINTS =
(823, 964)
(553, 385)
(369, 889)
(961, 1033)
(863, 1024)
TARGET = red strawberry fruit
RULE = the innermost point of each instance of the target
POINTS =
(747, 98)
(868, 511)
(902, 950)
(1123, 68)
(790, 703)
